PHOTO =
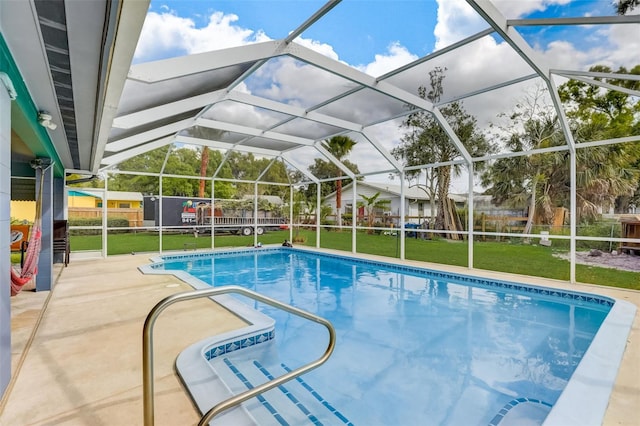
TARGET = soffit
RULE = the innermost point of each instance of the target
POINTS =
(65, 53)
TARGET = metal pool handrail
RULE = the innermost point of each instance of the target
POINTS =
(147, 349)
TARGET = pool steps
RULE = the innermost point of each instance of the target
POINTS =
(215, 369)
(293, 403)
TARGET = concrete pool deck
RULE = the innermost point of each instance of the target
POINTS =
(77, 351)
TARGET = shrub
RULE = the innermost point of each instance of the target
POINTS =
(329, 223)
(299, 239)
(112, 222)
(378, 225)
(599, 229)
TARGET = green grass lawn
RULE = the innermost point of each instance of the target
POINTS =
(515, 258)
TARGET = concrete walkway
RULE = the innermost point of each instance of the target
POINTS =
(83, 363)
(77, 351)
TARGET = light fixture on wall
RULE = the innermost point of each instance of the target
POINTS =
(45, 120)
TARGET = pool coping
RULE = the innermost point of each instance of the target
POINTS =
(585, 398)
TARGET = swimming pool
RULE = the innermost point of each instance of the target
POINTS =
(417, 345)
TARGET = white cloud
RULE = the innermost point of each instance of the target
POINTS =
(395, 57)
(288, 80)
(456, 20)
(625, 42)
(563, 55)
(166, 34)
(322, 48)
(515, 9)
(161, 33)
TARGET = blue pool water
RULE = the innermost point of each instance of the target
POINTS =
(414, 346)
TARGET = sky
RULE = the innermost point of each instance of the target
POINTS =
(376, 36)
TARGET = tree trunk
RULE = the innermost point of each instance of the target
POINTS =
(203, 170)
(432, 197)
(532, 210)
(444, 179)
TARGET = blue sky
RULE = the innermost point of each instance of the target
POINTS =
(357, 30)
(376, 26)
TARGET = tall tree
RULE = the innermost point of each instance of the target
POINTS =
(339, 147)
(277, 173)
(181, 161)
(607, 175)
(624, 6)
(149, 161)
(604, 172)
(184, 162)
(530, 179)
(426, 142)
(204, 162)
(206, 134)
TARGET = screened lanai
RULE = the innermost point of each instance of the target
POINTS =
(263, 104)
(280, 100)
(465, 117)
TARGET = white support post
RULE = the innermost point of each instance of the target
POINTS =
(566, 129)
(573, 216)
(354, 215)
(213, 214)
(105, 232)
(470, 217)
(255, 214)
(160, 213)
(402, 216)
(291, 213)
(319, 195)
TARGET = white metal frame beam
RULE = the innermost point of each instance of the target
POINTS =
(226, 146)
(252, 131)
(202, 62)
(294, 111)
(149, 115)
(140, 149)
(129, 142)
(580, 20)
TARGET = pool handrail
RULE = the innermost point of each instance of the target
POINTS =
(147, 349)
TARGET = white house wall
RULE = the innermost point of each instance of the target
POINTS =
(411, 204)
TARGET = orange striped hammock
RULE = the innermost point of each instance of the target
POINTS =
(30, 266)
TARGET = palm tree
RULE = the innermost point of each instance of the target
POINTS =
(371, 204)
(534, 179)
(339, 147)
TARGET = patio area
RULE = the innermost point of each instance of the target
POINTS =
(77, 351)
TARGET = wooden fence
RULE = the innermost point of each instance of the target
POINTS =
(508, 224)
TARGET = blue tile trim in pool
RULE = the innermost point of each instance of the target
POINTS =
(242, 343)
(320, 399)
(260, 397)
(511, 404)
(502, 285)
(289, 395)
(294, 400)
